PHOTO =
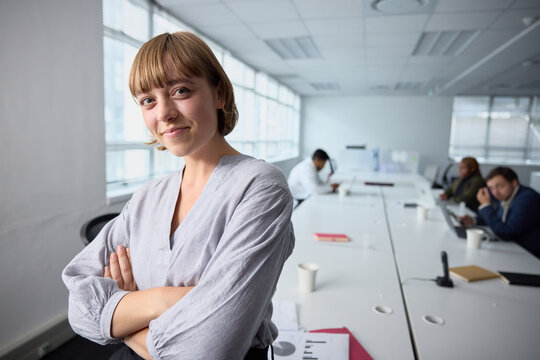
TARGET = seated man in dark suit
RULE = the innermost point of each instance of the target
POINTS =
(517, 218)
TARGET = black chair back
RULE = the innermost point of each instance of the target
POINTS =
(91, 228)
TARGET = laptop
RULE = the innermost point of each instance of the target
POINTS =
(461, 231)
(453, 222)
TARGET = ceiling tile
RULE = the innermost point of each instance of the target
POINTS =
(335, 26)
(343, 55)
(461, 21)
(249, 47)
(264, 11)
(398, 51)
(395, 24)
(471, 5)
(338, 42)
(387, 40)
(276, 30)
(514, 19)
(225, 33)
(351, 73)
(526, 4)
(171, 3)
(310, 9)
(200, 15)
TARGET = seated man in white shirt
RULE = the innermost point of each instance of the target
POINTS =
(304, 178)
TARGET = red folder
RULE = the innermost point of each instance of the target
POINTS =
(356, 351)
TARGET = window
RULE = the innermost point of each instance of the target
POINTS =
(269, 121)
(499, 129)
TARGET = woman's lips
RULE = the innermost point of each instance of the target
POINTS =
(174, 132)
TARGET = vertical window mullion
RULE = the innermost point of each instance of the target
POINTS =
(527, 137)
(488, 128)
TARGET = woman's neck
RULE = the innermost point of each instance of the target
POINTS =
(201, 164)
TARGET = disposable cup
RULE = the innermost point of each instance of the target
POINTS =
(306, 276)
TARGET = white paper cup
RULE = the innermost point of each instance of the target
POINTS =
(421, 212)
(475, 238)
(343, 192)
(306, 276)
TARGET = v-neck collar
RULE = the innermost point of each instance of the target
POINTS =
(224, 165)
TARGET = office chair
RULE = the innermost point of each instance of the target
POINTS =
(91, 228)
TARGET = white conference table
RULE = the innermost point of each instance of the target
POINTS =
(485, 319)
(353, 278)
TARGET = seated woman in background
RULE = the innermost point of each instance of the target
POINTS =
(467, 185)
(189, 268)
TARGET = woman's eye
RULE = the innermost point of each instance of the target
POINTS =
(182, 91)
(146, 101)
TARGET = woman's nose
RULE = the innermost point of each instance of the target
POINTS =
(166, 110)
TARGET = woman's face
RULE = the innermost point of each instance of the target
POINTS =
(182, 115)
(464, 170)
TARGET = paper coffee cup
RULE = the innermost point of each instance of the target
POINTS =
(306, 276)
(343, 192)
(421, 212)
(475, 238)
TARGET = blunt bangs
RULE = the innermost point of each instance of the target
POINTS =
(163, 59)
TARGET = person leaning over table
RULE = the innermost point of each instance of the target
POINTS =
(189, 267)
(304, 179)
(467, 185)
(517, 218)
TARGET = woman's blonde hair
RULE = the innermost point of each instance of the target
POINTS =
(190, 57)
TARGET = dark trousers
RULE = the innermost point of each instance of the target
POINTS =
(125, 353)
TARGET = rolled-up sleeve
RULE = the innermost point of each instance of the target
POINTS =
(222, 315)
(93, 298)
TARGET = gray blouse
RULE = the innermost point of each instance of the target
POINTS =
(231, 246)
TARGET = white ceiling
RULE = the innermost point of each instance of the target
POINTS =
(366, 51)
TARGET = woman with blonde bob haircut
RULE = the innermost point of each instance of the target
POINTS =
(189, 267)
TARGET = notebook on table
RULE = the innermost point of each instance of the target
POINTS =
(514, 278)
(472, 273)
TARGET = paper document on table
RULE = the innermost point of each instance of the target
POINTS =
(284, 315)
(293, 345)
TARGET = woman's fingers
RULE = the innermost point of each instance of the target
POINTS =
(116, 273)
(125, 265)
(120, 270)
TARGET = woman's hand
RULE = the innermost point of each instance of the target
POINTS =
(443, 197)
(120, 269)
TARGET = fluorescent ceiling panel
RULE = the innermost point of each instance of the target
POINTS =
(325, 86)
(461, 21)
(444, 43)
(279, 29)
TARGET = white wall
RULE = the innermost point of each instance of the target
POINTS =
(401, 123)
(391, 122)
(52, 152)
